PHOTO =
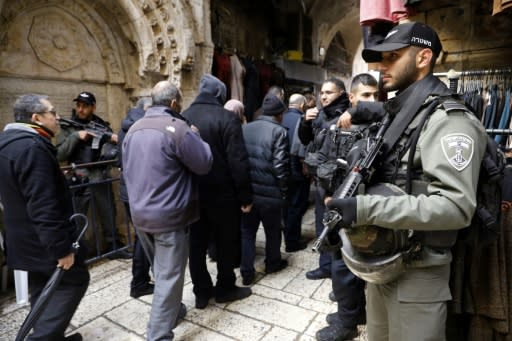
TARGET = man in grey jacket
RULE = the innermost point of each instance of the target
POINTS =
(161, 154)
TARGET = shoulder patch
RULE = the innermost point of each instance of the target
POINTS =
(458, 150)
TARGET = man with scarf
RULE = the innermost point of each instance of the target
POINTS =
(437, 166)
(37, 208)
(312, 131)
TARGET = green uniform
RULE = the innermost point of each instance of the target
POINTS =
(73, 150)
(447, 163)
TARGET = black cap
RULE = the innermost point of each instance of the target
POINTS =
(404, 35)
(273, 106)
(86, 97)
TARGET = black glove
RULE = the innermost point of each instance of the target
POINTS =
(347, 208)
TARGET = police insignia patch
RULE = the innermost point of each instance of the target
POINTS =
(458, 149)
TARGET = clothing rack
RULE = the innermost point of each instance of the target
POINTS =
(454, 76)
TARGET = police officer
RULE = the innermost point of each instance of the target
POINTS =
(312, 131)
(439, 183)
(347, 289)
(78, 146)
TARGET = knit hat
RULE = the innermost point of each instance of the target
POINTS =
(404, 35)
(273, 106)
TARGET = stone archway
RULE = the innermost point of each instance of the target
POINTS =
(60, 49)
(116, 49)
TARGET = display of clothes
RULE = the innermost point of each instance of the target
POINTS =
(246, 80)
(488, 93)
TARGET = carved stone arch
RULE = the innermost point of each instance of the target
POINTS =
(344, 35)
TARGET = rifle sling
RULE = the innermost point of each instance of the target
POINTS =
(404, 109)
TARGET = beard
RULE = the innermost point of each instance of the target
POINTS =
(404, 77)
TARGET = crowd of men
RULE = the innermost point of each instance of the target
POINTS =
(211, 179)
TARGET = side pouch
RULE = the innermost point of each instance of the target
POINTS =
(312, 161)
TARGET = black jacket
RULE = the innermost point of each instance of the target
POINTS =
(267, 145)
(229, 178)
(311, 133)
(36, 199)
(132, 116)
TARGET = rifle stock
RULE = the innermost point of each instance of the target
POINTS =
(360, 173)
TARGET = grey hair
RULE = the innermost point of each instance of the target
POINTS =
(26, 105)
(164, 92)
(143, 103)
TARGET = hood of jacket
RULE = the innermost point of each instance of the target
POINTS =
(211, 85)
(133, 115)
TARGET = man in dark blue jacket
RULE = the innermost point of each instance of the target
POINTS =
(37, 208)
(225, 192)
(299, 182)
(267, 144)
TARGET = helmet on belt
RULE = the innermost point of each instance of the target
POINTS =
(374, 253)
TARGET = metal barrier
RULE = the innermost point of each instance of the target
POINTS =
(85, 192)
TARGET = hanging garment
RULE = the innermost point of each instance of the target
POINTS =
(237, 78)
(222, 69)
(501, 5)
(505, 117)
(372, 11)
(252, 88)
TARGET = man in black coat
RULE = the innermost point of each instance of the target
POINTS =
(37, 208)
(140, 284)
(225, 192)
(267, 144)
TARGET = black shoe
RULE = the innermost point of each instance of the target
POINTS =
(334, 318)
(318, 273)
(181, 314)
(300, 245)
(336, 332)
(283, 263)
(235, 294)
(202, 301)
(74, 337)
(248, 279)
(332, 297)
(146, 290)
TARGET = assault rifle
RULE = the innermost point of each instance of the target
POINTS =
(360, 173)
(98, 131)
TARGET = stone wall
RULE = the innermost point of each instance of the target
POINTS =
(116, 49)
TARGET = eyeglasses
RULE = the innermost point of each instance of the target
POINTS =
(53, 112)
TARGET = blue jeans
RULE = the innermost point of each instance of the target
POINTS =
(270, 217)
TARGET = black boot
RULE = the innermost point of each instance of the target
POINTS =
(336, 332)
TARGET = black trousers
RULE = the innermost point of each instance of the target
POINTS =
(62, 305)
(293, 213)
(140, 262)
(348, 290)
(221, 222)
(100, 198)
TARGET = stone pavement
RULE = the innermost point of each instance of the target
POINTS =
(284, 306)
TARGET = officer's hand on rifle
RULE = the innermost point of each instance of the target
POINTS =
(84, 135)
(347, 208)
(66, 262)
(113, 138)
